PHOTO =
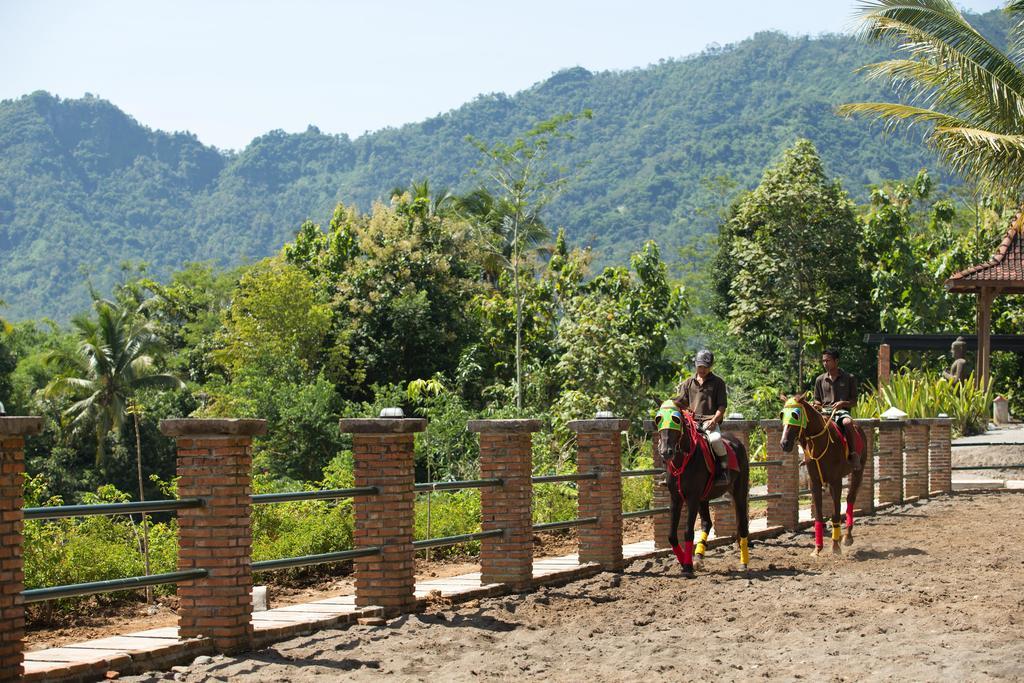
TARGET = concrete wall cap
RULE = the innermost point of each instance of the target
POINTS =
(890, 424)
(599, 425)
(20, 426)
(738, 425)
(213, 426)
(508, 426)
(381, 425)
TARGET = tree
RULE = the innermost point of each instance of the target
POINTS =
(967, 93)
(527, 181)
(115, 358)
(789, 269)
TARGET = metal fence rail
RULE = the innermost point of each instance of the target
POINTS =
(549, 478)
(94, 587)
(641, 473)
(455, 540)
(61, 511)
(325, 494)
(458, 485)
(310, 560)
(986, 443)
(567, 524)
(988, 467)
(649, 512)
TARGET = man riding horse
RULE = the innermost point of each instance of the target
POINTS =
(705, 395)
(835, 392)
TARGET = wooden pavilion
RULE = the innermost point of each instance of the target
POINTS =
(1002, 274)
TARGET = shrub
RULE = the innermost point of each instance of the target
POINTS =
(921, 394)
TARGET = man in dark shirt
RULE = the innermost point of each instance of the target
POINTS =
(836, 390)
(705, 395)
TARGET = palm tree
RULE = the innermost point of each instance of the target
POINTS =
(114, 358)
(968, 94)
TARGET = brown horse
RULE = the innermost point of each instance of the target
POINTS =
(825, 456)
(686, 454)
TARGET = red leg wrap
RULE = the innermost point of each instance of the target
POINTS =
(819, 533)
(849, 517)
(688, 553)
(679, 554)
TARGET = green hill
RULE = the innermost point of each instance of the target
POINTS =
(84, 187)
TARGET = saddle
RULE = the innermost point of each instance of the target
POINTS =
(858, 442)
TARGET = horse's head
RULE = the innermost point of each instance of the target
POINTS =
(795, 415)
(668, 423)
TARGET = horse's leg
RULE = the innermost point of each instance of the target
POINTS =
(705, 529)
(819, 520)
(673, 528)
(836, 490)
(856, 478)
(740, 495)
(691, 517)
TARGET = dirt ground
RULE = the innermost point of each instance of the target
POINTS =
(928, 592)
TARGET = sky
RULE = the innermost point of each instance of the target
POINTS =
(230, 70)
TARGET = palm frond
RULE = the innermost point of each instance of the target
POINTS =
(935, 32)
(994, 160)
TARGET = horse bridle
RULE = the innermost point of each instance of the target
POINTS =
(810, 440)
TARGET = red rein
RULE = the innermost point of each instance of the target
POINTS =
(695, 441)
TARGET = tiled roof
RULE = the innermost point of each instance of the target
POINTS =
(1004, 270)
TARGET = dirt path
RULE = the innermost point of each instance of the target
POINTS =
(928, 592)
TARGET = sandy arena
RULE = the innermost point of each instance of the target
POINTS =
(928, 592)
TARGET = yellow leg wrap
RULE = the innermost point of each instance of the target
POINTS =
(744, 552)
(700, 543)
(837, 533)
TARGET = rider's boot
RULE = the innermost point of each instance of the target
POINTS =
(722, 470)
(855, 459)
(661, 480)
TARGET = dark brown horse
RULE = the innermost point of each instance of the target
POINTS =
(686, 454)
(827, 462)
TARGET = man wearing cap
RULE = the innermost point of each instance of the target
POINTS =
(705, 396)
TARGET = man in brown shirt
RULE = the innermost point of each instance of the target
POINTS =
(706, 396)
(836, 390)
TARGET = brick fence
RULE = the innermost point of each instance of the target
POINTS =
(214, 465)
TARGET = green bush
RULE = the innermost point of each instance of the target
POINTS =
(448, 513)
(921, 394)
(97, 548)
(299, 528)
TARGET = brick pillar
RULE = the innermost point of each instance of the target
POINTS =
(383, 452)
(600, 449)
(13, 431)
(890, 461)
(884, 364)
(506, 453)
(866, 495)
(940, 476)
(215, 464)
(915, 449)
(660, 497)
(783, 479)
(723, 516)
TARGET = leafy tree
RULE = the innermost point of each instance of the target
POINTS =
(789, 268)
(613, 337)
(964, 90)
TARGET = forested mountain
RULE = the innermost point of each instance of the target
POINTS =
(84, 187)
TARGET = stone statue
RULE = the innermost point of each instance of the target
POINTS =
(958, 370)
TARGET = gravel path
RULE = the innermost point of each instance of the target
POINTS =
(929, 591)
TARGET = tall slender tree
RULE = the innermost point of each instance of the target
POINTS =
(115, 358)
(526, 181)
